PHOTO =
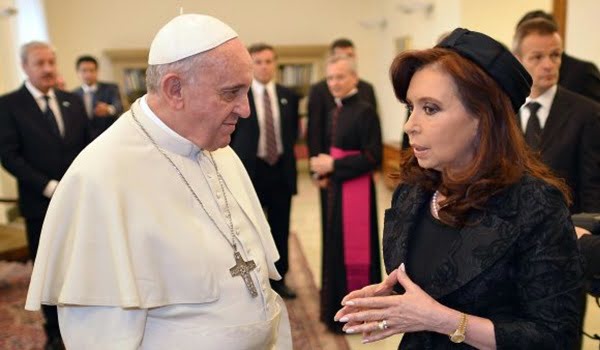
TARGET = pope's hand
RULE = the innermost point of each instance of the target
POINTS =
(364, 311)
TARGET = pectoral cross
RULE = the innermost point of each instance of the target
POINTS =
(243, 268)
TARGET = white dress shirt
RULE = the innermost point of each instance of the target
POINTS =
(545, 100)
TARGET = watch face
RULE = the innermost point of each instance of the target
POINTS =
(457, 338)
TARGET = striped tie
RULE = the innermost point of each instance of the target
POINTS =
(270, 138)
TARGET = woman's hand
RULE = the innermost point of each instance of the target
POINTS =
(384, 288)
(366, 310)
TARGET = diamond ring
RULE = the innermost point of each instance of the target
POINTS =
(382, 325)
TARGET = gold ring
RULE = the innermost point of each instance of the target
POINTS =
(383, 325)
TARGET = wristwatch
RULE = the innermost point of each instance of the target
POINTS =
(459, 334)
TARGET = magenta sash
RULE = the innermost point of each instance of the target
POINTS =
(356, 225)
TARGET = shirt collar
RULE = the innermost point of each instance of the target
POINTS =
(544, 99)
(258, 86)
(36, 93)
(89, 88)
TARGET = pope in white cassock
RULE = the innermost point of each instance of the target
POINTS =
(155, 238)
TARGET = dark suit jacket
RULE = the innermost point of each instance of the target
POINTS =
(31, 152)
(107, 93)
(321, 102)
(580, 76)
(244, 139)
(517, 265)
(570, 146)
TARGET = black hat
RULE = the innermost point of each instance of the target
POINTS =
(495, 59)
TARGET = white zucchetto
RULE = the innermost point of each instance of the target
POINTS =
(187, 35)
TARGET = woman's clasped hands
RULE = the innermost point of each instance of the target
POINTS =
(377, 312)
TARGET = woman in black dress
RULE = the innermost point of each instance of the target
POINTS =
(478, 242)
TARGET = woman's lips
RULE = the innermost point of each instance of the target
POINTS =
(419, 151)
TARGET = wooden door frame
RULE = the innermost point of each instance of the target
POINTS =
(559, 10)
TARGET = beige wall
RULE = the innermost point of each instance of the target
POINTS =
(582, 30)
(374, 25)
(87, 26)
(422, 29)
(498, 18)
(9, 74)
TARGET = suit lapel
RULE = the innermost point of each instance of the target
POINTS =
(31, 108)
(29, 105)
(558, 116)
(79, 92)
(65, 109)
(475, 250)
(399, 222)
(282, 102)
(253, 114)
(98, 95)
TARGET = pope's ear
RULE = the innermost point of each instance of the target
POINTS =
(171, 89)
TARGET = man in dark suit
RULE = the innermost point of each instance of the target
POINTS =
(102, 100)
(265, 144)
(580, 76)
(321, 101)
(576, 75)
(42, 130)
(562, 125)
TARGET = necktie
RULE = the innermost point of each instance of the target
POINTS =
(533, 131)
(271, 141)
(50, 117)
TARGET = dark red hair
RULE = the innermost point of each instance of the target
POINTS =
(502, 156)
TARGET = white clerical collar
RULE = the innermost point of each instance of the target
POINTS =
(338, 101)
(169, 139)
(36, 93)
(89, 88)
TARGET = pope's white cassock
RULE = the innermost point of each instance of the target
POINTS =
(134, 262)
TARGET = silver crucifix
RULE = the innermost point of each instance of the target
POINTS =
(243, 268)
